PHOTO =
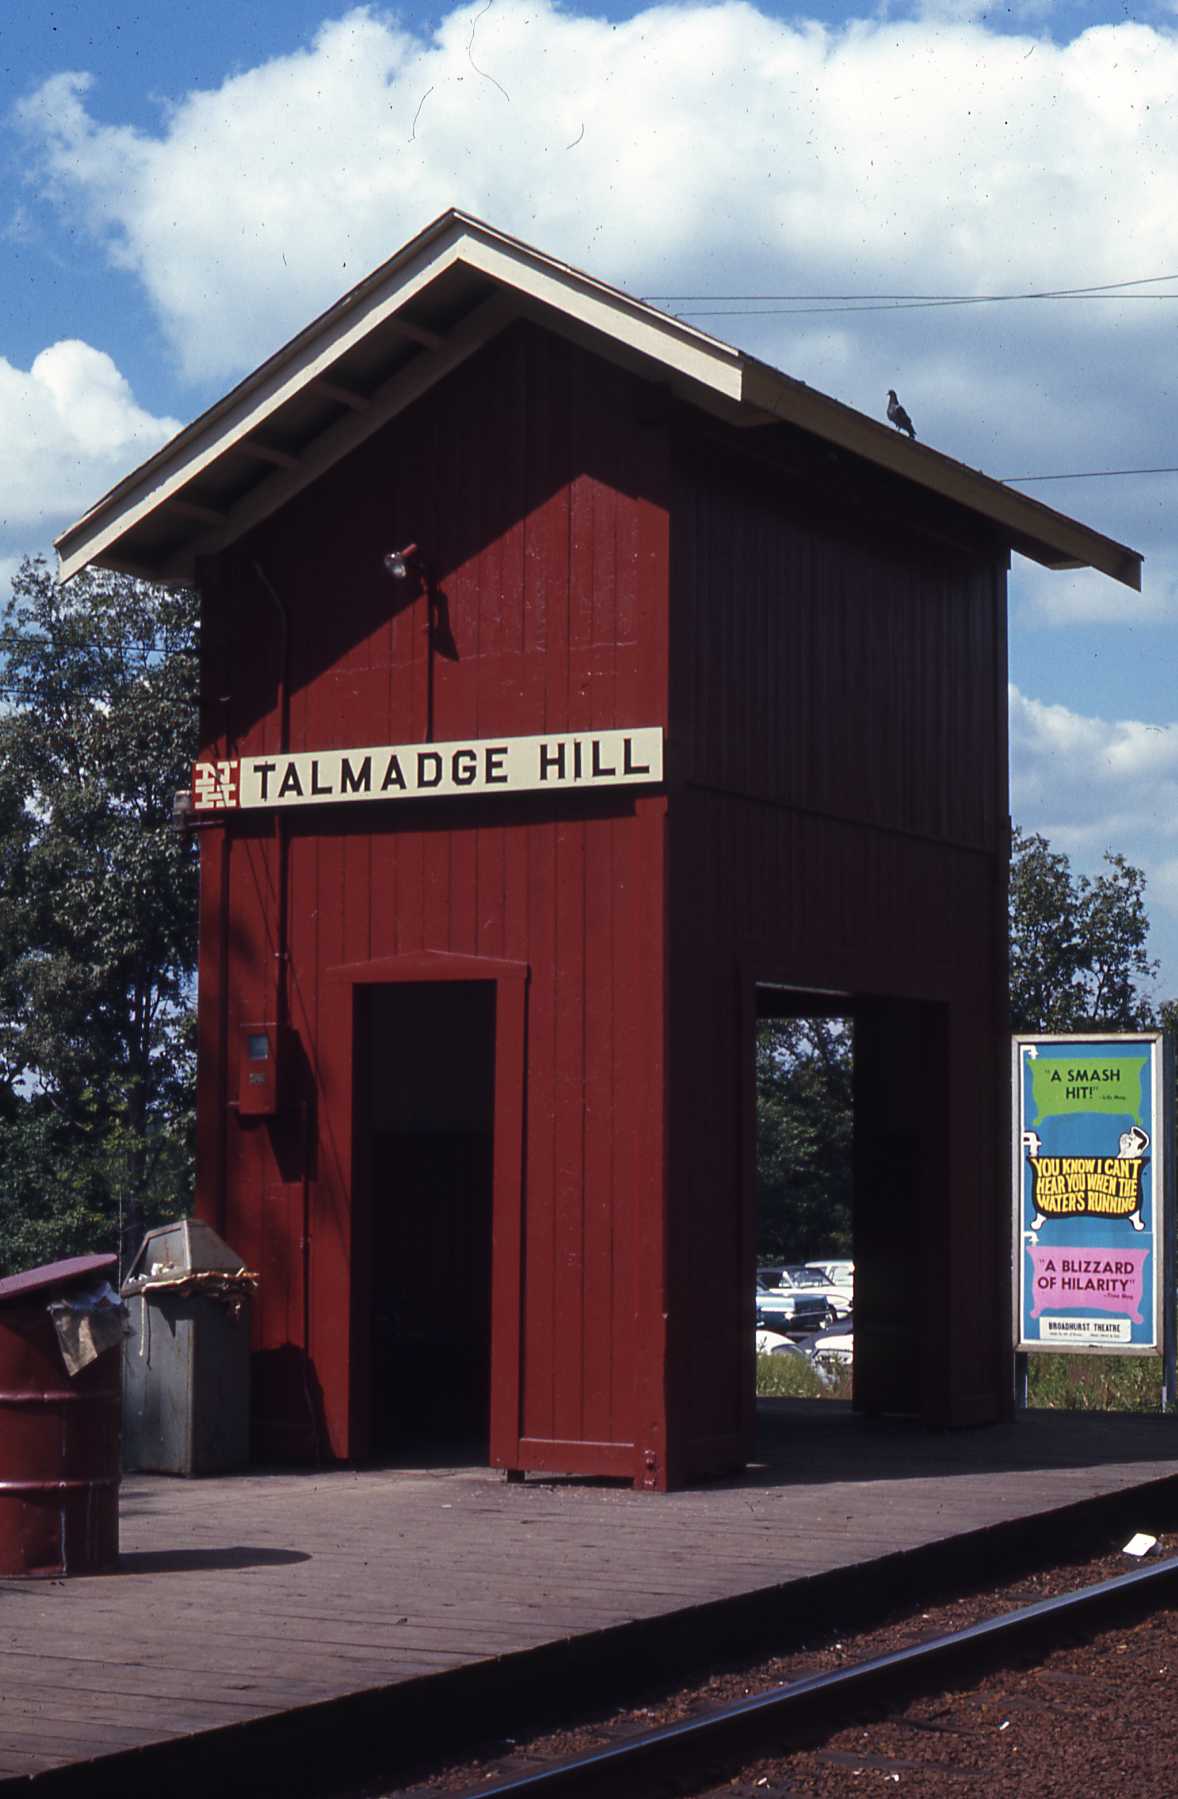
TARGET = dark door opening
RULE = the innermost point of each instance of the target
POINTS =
(427, 1114)
(903, 1206)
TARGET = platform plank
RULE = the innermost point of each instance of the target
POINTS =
(252, 1598)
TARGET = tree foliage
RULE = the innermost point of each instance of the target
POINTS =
(804, 1138)
(1079, 956)
(97, 914)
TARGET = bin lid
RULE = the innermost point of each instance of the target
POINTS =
(187, 1247)
(51, 1275)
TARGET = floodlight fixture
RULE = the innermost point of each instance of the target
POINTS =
(399, 562)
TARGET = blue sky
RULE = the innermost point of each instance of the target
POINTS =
(183, 188)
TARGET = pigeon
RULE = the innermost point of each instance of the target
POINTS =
(898, 415)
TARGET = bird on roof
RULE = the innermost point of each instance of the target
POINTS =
(898, 415)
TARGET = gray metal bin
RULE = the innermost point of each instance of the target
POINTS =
(186, 1366)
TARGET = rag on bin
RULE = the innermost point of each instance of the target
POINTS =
(88, 1321)
(229, 1286)
(232, 1286)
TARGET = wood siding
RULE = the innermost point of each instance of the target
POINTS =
(545, 529)
(839, 724)
(825, 648)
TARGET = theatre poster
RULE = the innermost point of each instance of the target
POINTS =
(1090, 1165)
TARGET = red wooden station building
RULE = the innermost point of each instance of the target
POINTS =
(576, 691)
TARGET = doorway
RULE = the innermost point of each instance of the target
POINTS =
(852, 1152)
(805, 1193)
(425, 1110)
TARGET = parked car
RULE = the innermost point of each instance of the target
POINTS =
(772, 1343)
(838, 1273)
(839, 1295)
(785, 1307)
(834, 1347)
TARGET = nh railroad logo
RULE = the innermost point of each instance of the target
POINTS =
(420, 770)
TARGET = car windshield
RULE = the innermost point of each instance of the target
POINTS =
(806, 1277)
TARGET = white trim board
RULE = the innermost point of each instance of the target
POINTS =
(509, 279)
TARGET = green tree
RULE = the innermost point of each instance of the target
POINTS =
(1078, 947)
(804, 1138)
(97, 915)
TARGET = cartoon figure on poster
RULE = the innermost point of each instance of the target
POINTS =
(1089, 1225)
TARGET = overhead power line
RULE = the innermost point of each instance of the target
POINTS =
(787, 312)
(1089, 474)
(1095, 287)
(783, 305)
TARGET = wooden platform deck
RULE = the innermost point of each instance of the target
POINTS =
(254, 1607)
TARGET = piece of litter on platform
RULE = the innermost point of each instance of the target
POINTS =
(1005, 1724)
(1139, 1544)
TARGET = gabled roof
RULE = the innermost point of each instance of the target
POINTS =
(419, 316)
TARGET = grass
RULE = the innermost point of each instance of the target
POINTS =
(1076, 1383)
(1064, 1383)
(795, 1377)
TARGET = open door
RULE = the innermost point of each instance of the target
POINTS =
(427, 1068)
(437, 1197)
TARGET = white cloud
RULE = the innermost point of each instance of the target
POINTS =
(1091, 785)
(1163, 884)
(705, 149)
(1089, 781)
(72, 427)
(8, 567)
(690, 146)
(1047, 597)
(696, 149)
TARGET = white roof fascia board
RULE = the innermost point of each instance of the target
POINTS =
(1050, 537)
(653, 335)
(704, 370)
(180, 462)
(705, 399)
(386, 401)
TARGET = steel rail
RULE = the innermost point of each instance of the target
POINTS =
(741, 1726)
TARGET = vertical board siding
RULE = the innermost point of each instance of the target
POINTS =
(824, 663)
(544, 527)
(839, 825)
(828, 662)
(819, 904)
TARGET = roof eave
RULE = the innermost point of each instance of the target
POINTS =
(1035, 530)
(508, 266)
(513, 278)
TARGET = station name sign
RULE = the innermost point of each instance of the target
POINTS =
(431, 770)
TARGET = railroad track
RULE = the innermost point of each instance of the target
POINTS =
(693, 1754)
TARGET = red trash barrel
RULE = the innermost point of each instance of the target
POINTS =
(59, 1433)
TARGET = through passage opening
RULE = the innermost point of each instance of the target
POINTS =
(431, 1082)
(805, 1118)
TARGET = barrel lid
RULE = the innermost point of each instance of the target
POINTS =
(55, 1275)
(189, 1246)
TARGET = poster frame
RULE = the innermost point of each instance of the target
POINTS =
(1161, 1074)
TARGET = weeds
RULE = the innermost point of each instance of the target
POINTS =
(1059, 1383)
(795, 1377)
(1074, 1383)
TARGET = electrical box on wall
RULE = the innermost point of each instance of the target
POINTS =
(260, 1058)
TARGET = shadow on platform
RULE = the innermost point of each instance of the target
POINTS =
(814, 1442)
(189, 1561)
